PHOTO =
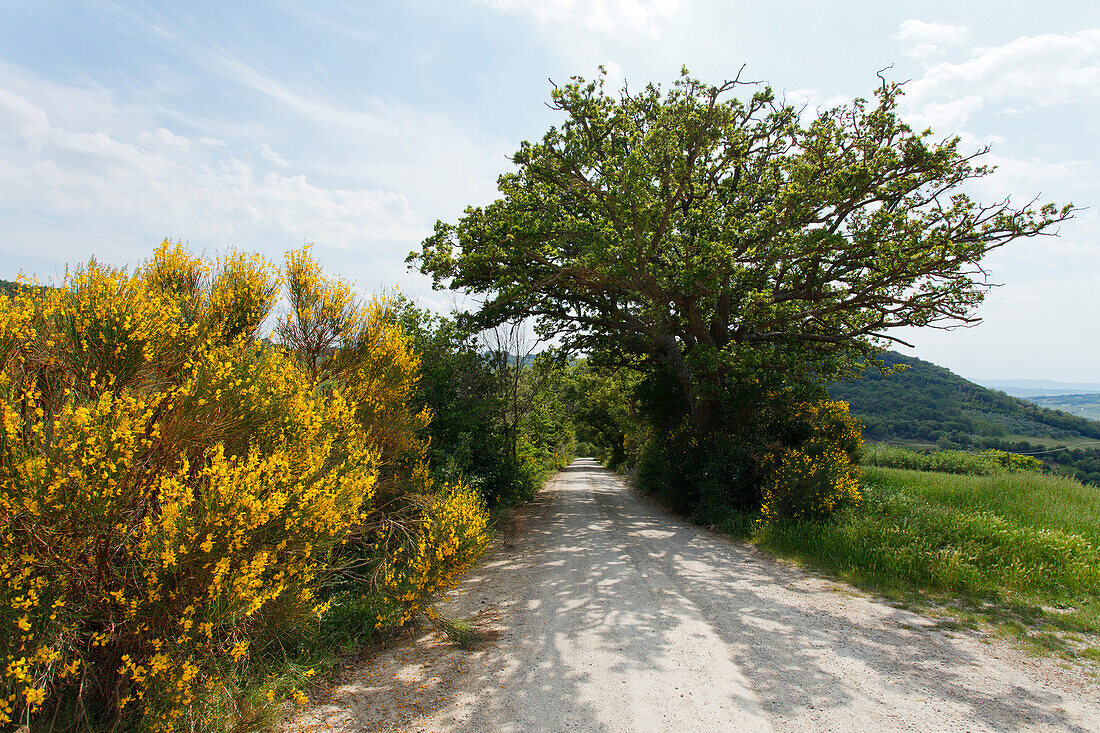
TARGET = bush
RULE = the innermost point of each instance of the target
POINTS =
(175, 492)
(949, 461)
(453, 533)
(810, 482)
(814, 479)
(1014, 462)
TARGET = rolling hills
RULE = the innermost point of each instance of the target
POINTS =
(929, 406)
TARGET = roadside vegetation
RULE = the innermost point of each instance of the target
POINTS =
(985, 538)
(205, 501)
(985, 463)
(1019, 550)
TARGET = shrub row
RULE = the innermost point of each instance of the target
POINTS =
(948, 461)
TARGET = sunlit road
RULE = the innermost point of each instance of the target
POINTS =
(606, 614)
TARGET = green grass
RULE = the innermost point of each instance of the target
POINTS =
(461, 632)
(295, 661)
(1018, 550)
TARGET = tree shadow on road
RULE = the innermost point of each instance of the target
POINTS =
(600, 594)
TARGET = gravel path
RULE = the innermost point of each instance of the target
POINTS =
(602, 613)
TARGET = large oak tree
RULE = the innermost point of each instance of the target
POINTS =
(700, 230)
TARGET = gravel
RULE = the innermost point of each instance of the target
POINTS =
(600, 612)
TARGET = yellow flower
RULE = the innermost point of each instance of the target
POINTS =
(34, 695)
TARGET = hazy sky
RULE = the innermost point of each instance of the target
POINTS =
(355, 125)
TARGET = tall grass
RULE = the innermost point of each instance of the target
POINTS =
(1011, 547)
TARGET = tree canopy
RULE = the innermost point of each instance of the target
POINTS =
(698, 230)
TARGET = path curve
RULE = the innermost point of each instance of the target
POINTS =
(606, 614)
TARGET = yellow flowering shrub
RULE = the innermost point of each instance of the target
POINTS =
(451, 534)
(417, 538)
(359, 346)
(819, 476)
(170, 488)
(175, 491)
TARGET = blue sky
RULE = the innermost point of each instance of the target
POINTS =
(261, 126)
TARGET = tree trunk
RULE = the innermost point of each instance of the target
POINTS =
(704, 411)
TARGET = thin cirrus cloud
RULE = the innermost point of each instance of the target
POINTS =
(405, 147)
(74, 179)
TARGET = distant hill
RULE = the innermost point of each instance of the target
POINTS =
(1084, 405)
(1040, 387)
(927, 405)
(8, 287)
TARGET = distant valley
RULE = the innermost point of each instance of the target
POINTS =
(1085, 405)
(1029, 388)
(1078, 398)
(928, 406)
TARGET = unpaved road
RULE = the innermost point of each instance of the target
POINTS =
(602, 613)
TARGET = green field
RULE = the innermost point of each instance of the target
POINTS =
(1019, 550)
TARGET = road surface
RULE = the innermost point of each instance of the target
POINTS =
(601, 612)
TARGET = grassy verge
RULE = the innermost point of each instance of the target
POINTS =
(1018, 550)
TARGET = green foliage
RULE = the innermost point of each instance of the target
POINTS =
(604, 412)
(503, 424)
(928, 404)
(731, 247)
(943, 461)
(1006, 544)
(465, 439)
(1014, 462)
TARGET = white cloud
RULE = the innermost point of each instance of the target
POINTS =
(166, 137)
(1029, 72)
(21, 119)
(1043, 70)
(87, 182)
(1015, 175)
(271, 156)
(813, 99)
(945, 118)
(615, 76)
(603, 17)
(409, 148)
(920, 40)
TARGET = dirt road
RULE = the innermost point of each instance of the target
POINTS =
(602, 613)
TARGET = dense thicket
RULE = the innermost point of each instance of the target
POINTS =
(183, 503)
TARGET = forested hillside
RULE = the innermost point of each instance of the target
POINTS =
(928, 404)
